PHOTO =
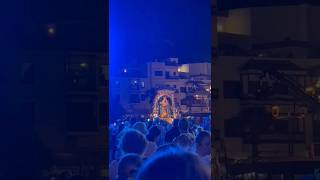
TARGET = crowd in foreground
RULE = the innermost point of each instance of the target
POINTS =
(154, 150)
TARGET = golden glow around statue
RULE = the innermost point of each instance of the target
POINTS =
(164, 106)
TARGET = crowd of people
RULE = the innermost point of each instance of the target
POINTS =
(153, 149)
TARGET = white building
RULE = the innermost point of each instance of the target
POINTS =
(136, 92)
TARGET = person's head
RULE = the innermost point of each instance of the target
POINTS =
(184, 141)
(140, 126)
(132, 141)
(165, 147)
(128, 166)
(203, 143)
(199, 129)
(183, 125)
(174, 164)
(154, 133)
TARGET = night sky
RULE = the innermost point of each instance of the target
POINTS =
(81, 25)
(144, 30)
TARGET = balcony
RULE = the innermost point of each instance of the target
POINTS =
(282, 138)
(172, 77)
(199, 110)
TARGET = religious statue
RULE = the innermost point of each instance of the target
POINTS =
(165, 110)
(164, 106)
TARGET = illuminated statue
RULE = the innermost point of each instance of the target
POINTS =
(164, 106)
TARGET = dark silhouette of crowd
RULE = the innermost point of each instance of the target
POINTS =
(154, 150)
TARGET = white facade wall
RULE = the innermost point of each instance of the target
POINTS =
(153, 80)
(200, 68)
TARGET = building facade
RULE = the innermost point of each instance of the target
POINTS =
(190, 82)
(61, 98)
(264, 72)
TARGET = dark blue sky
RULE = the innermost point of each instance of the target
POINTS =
(144, 30)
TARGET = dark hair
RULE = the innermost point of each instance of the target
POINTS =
(183, 125)
(165, 147)
(127, 160)
(184, 140)
(154, 132)
(201, 136)
(133, 141)
(175, 122)
(174, 164)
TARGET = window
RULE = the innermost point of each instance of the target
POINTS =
(134, 98)
(253, 87)
(167, 74)
(142, 84)
(143, 97)
(81, 76)
(232, 89)
(80, 117)
(191, 89)
(183, 89)
(134, 85)
(158, 73)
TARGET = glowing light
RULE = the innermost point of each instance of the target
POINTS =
(125, 70)
(220, 27)
(275, 110)
(318, 84)
(311, 91)
(51, 29)
(83, 65)
(184, 68)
